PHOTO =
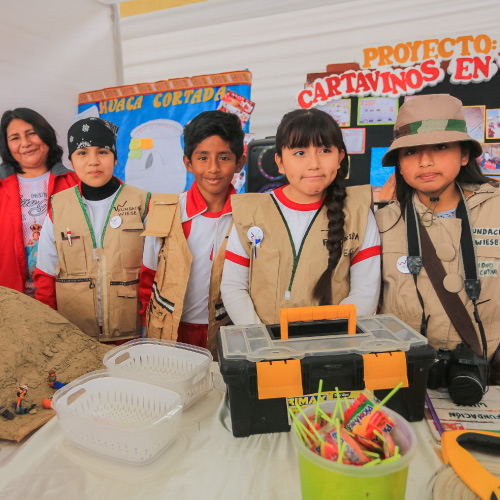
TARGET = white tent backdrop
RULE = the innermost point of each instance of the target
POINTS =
(280, 41)
(52, 50)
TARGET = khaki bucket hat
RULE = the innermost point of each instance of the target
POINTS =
(429, 119)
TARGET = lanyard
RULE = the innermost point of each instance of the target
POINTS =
(296, 256)
(89, 224)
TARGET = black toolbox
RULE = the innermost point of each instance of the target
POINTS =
(315, 350)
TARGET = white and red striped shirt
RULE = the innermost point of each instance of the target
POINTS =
(205, 231)
(364, 273)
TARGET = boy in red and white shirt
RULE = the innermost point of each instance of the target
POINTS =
(186, 236)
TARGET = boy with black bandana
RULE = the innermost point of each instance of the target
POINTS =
(90, 249)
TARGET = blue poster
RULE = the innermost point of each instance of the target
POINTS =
(151, 118)
(378, 173)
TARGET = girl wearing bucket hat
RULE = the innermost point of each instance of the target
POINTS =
(439, 185)
(91, 247)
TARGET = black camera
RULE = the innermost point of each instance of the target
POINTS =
(463, 372)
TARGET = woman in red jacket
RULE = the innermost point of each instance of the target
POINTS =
(30, 174)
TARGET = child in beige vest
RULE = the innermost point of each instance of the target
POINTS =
(91, 246)
(436, 171)
(186, 236)
(311, 242)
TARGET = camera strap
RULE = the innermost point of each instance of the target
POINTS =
(421, 252)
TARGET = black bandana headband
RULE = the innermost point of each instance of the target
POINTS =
(92, 132)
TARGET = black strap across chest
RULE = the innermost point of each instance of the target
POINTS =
(421, 252)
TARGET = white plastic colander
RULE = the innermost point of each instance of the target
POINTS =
(124, 419)
(176, 366)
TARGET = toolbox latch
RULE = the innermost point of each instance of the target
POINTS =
(385, 370)
(279, 379)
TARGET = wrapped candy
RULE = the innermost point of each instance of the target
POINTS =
(361, 437)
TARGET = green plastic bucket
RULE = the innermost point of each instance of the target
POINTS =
(322, 479)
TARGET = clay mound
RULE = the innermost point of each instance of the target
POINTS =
(33, 340)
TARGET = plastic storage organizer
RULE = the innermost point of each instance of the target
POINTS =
(263, 365)
(380, 333)
(126, 420)
(176, 366)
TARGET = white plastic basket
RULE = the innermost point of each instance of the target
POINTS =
(176, 366)
(124, 419)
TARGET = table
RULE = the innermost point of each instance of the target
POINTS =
(205, 462)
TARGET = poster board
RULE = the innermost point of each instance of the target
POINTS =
(465, 67)
(151, 118)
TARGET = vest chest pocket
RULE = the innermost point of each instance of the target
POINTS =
(161, 268)
(399, 292)
(125, 309)
(72, 259)
(488, 248)
(488, 260)
(156, 315)
(263, 283)
(392, 250)
(155, 319)
(77, 302)
(132, 244)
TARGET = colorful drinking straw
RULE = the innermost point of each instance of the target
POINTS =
(317, 402)
(389, 396)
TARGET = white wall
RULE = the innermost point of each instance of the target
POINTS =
(51, 50)
(54, 49)
(280, 41)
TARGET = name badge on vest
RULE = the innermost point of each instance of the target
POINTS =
(402, 265)
(115, 221)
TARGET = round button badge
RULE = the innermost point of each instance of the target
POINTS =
(115, 221)
(255, 233)
(402, 265)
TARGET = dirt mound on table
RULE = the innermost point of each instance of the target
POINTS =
(33, 340)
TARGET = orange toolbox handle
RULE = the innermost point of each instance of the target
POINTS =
(315, 313)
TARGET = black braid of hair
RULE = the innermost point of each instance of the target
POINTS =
(334, 203)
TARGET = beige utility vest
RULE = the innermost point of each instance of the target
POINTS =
(114, 263)
(172, 274)
(400, 296)
(278, 269)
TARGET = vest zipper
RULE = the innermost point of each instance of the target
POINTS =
(296, 257)
(102, 284)
(124, 283)
(77, 280)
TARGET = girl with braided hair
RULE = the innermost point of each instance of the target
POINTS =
(311, 242)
